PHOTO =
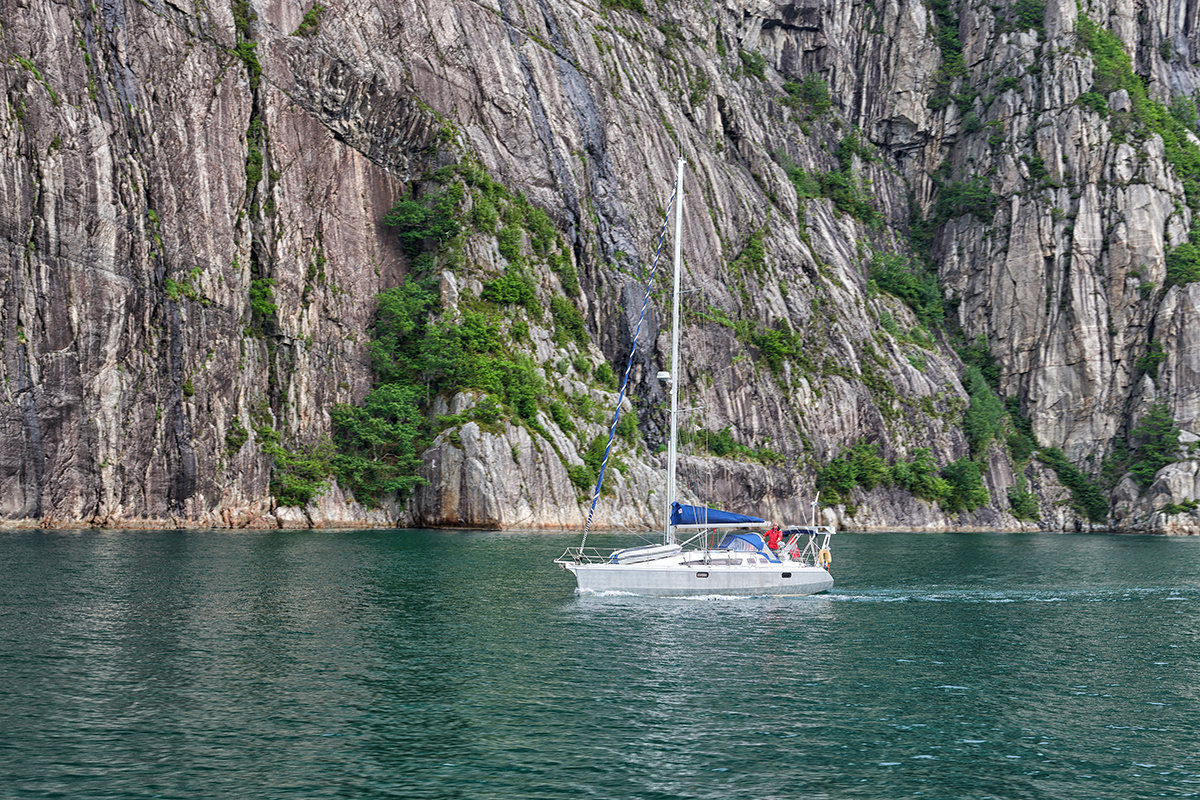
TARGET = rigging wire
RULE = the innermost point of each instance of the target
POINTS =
(612, 430)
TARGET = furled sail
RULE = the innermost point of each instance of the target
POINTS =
(699, 515)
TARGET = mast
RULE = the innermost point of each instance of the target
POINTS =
(669, 531)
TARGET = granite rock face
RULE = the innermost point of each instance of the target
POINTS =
(191, 239)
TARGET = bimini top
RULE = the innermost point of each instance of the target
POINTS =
(701, 517)
(809, 530)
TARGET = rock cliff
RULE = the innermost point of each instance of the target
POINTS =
(934, 249)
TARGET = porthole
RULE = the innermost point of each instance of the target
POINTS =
(701, 574)
(787, 574)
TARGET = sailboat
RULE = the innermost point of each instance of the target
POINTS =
(750, 557)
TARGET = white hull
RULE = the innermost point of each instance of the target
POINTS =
(677, 579)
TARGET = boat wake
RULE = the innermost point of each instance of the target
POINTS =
(604, 594)
(1002, 596)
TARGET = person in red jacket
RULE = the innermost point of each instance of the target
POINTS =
(773, 538)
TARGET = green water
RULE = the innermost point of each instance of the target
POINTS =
(418, 664)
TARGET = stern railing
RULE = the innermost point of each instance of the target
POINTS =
(818, 542)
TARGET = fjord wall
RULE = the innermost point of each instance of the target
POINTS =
(193, 240)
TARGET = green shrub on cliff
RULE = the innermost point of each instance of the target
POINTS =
(848, 196)
(978, 354)
(415, 351)
(910, 281)
(1023, 504)
(513, 287)
(722, 444)
(581, 477)
(311, 22)
(235, 436)
(810, 96)
(262, 297)
(1113, 71)
(1086, 497)
(398, 333)
(974, 196)
(1149, 361)
(247, 53)
(605, 376)
(630, 5)
(584, 477)
(983, 420)
(775, 344)
(1183, 265)
(379, 442)
(1156, 444)
(419, 349)
(814, 93)
(627, 427)
(957, 487)
(965, 486)
(568, 322)
(806, 183)
(1030, 14)
(840, 185)
(297, 476)
(426, 222)
(754, 63)
(953, 66)
(1186, 507)
(1093, 101)
(920, 476)
(449, 354)
(869, 469)
(753, 256)
(1020, 439)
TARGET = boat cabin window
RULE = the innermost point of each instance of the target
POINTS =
(751, 542)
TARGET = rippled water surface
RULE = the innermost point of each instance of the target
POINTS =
(419, 664)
